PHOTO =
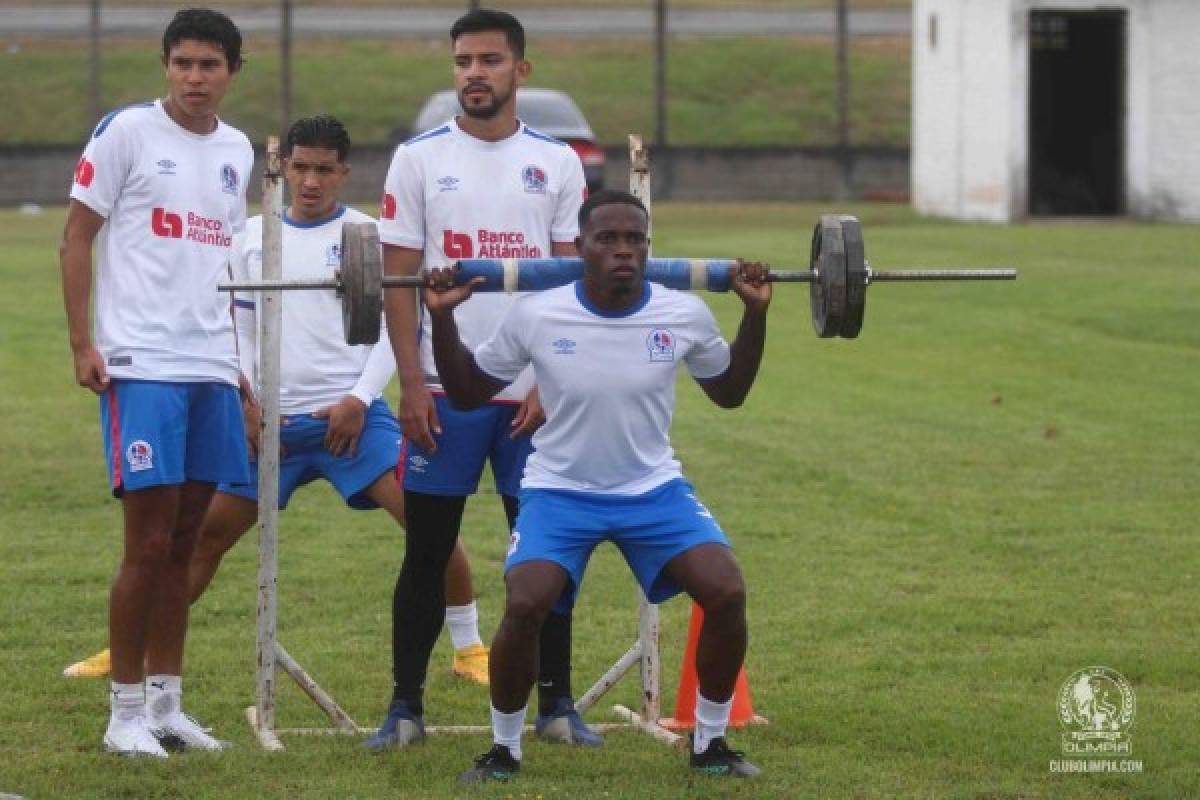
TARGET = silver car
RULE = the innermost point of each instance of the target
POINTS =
(547, 111)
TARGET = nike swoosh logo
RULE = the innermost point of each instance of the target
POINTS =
(162, 685)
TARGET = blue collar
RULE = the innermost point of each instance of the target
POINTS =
(626, 312)
(341, 209)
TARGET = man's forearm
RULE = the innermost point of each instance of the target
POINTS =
(400, 307)
(76, 262)
(465, 385)
(745, 354)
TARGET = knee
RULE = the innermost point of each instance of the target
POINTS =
(725, 601)
(211, 544)
(151, 549)
(524, 614)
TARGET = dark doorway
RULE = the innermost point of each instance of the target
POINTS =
(1076, 112)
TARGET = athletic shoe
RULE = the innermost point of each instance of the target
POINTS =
(131, 737)
(96, 666)
(179, 731)
(471, 663)
(400, 729)
(564, 725)
(718, 759)
(496, 764)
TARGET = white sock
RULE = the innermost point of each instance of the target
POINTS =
(127, 700)
(711, 721)
(463, 622)
(507, 729)
(164, 695)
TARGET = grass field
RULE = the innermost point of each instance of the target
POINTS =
(939, 522)
(722, 91)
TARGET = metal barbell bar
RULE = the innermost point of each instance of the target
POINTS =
(838, 277)
(658, 270)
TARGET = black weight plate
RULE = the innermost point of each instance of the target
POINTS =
(362, 283)
(856, 277)
(827, 291)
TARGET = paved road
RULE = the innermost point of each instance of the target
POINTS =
(427, 23)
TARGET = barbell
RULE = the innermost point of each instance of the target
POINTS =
(838, 277)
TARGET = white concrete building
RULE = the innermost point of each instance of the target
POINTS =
(1056, 107)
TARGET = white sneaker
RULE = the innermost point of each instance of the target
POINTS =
(175, 729)
(179, 730)
(131, 737)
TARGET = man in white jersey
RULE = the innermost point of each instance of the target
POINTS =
(482, 185)
(335, 426)
(604, 352)
(161, 191)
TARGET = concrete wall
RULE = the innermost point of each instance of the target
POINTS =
(962, 130)
(970, 106)
(43, 174)
(1171, 82)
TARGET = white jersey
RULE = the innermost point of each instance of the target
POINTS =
(455, 196)
(172, 202)
(316, 366)
(607, 383)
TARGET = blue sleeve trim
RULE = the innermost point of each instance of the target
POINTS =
(541, 136)
(110, 116)
(429, 135)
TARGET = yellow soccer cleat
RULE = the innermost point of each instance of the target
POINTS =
(471, 663)
(96, 666)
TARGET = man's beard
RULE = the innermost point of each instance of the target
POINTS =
(488, 111)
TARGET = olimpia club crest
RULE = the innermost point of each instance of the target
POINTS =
(1096, 708)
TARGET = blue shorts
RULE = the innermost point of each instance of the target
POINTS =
(467, 440)
(306, 459)
(649, 529)
(158, 433)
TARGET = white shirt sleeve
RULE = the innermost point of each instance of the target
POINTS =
(565, 226)
(506, 353)
(402, 216)
(709, 356)
(102, 171)
(245, 316)
(379, 369)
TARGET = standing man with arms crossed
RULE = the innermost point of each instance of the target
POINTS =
(335, 426)
(161, 190)
(605, 351)
(481, 185)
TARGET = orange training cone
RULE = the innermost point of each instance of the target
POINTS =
(742, 712)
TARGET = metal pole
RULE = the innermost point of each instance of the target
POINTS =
(660, 73)
(843, 99)
(639, 187)
(285, 64)
(94, 107)
(270, 323)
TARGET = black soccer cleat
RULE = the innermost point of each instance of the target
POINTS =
(496, 764)
(719, 760)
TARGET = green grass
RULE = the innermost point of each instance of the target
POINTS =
(939, 522)
(722, 91)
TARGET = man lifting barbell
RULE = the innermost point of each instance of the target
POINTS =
(604, 351)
